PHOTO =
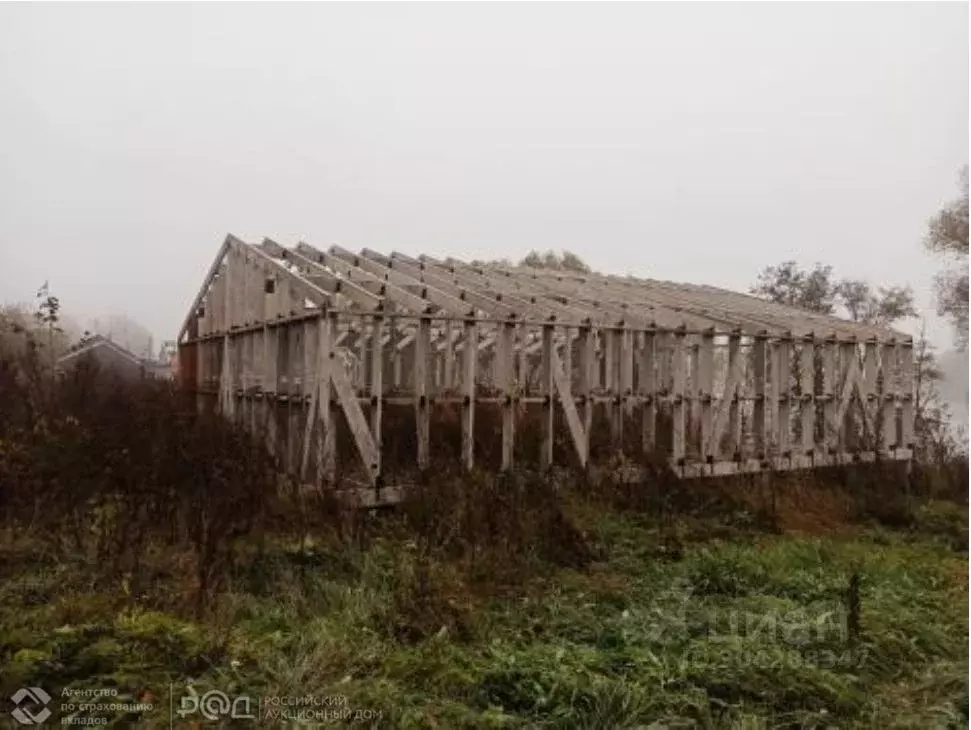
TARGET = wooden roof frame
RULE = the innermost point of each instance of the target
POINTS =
(425, 286)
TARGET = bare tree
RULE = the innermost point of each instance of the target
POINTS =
(936, 440)
(947, 234)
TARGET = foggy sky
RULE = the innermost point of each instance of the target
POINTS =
(690, 142)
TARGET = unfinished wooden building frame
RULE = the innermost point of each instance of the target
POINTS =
(301, 343)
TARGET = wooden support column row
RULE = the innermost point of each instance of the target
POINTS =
(670, 373)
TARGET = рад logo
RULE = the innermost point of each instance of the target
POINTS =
(31, 706)
(215, 704)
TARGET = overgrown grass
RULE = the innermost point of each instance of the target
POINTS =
(731, 630)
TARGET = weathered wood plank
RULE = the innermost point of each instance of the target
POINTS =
(422, 352)
(377, 384)
(470, 358)
(727, 415)
(546, 389)
(907, 377)
(807, 395)
(507, 381)
(759, 362)
(678, 368)
(889, 393)
(648, 389)
(704, 393)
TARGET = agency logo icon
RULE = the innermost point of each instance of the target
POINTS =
(30, 705)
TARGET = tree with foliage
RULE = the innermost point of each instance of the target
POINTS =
(884, 306)
(816, 290)
(947, 234)
(567, 261)
(787, 284)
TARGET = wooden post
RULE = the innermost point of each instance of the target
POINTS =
(704, 392)
(626, 376)
(807, 397)
(546, 388)
(869, 395)
(269, 363)
(830, 401)
(294, 356)
(394, 338)
(200, 358)
(783, 394)
(612, 356)
(377, 384)
(694, 392)
(470, 356)
(678, 386)
(648, 387)
(588, 370)
(257, 346)
(734, 409)
(759, 362)
(568, 355)
(663, 350)
(227, 386)
(270, 386)
(907, 379)
(521, 359)
(507, 375)
(448, 376)
(284, 375)
(294, 394)
(422, 355)
(327, 433)
(889, 391)
(245, 341)
(846, 429)
(362, 355)
(311, 361)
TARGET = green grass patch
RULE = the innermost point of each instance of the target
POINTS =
(726, 629)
